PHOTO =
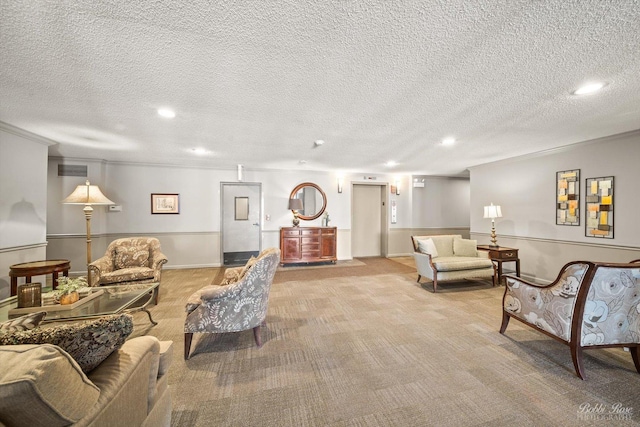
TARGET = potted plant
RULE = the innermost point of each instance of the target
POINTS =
(67, 290)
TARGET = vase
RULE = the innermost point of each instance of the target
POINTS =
(69, 298)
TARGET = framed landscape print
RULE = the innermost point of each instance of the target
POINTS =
(162, 203)
(599, 207)
(568, 197)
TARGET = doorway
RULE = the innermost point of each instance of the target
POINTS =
(241, 210)
(369, 220)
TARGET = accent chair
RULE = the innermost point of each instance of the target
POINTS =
(236, 306)
(588, 306)
(128, 261)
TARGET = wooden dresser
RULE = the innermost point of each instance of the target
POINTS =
(307, 244)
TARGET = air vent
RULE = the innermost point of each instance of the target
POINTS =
(72, 170)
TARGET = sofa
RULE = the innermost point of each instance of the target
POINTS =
(450, 257)
(44, 385)
(589, 305)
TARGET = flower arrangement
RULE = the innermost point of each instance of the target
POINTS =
(68, 285)
(67, 289)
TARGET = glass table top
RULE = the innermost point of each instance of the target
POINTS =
(113, 300)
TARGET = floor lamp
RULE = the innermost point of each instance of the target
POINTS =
(87, 195)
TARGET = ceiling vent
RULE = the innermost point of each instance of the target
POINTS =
(72, 170)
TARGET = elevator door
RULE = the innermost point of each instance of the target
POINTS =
(367, 221)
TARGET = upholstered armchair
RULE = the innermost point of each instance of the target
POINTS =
(129, 260)
(233, 307)
(588, 306)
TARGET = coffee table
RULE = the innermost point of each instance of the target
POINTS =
(114, 299)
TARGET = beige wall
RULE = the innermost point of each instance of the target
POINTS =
(525, 188)
(23, 201)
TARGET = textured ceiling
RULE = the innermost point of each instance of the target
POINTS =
(256, 83)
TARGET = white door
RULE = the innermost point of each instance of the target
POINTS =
(367, 220)
(241, 213)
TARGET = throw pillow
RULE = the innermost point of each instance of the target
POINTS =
(248, 266)
(133, 256)
(426, 246)
(42, 386)
(23, 323)
(89, 343)
(465, 247)
(231, 275)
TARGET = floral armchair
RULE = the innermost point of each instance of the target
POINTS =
(588, 306)
(129, 260)
(233, 306)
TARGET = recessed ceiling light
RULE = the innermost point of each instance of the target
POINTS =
(448, 141)
(589, 88)
(167, 113)
(318, 142)
(199, 151)
(391, 163)
(303, 162)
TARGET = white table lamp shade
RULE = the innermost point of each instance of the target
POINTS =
(492, 211)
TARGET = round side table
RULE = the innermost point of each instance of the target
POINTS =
(37, 268)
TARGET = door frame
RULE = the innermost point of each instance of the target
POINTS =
(222, 207)
(384, 215)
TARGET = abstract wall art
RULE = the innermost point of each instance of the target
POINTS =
(568, 197)
(599, 207)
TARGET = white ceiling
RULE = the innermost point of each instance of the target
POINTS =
(257, 82)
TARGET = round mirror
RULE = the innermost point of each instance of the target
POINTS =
(314, 201)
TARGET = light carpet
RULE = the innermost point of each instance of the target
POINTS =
(382, 350)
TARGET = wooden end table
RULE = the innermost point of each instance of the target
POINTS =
(37, 268)
(500, 254)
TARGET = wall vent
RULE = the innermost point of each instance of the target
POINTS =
(72, 170)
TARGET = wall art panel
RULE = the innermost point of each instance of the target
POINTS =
(568, 197)
(599, 207)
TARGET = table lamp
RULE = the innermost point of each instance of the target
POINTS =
(493, 212)
(295, 205)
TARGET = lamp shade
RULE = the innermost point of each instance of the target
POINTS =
(87, 194)
(492, 211)
(295, 204)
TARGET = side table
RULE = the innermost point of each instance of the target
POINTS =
(37, 268)
(500, 254)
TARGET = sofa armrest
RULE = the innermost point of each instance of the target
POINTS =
(424, 264)
(98, 267)
(127, 382)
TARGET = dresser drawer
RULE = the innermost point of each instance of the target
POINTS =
(310, 232)
(291, 233)
(504, 254)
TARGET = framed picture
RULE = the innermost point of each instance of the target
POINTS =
(163, 203)
(599, 207)
(568, 197)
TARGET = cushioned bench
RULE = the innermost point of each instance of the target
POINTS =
(450, 257)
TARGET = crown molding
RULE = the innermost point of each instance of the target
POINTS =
(26, 134)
